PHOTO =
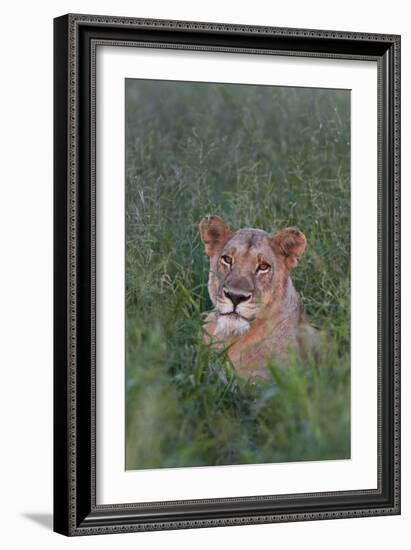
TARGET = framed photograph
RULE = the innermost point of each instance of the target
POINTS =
(227, 279)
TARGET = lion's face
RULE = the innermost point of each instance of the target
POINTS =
(249, 269)
(243, 278)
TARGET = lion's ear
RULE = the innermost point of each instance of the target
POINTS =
(214, 233)
(290, 243)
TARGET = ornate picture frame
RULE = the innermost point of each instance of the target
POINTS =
(76, 40)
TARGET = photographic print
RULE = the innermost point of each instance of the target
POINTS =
(237, 274)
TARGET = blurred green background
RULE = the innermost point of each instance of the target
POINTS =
(259, 156)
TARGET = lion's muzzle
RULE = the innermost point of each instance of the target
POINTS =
(236, 298)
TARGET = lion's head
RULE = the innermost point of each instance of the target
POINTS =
(249, 271)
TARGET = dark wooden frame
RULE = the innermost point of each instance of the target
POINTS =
(75, 40)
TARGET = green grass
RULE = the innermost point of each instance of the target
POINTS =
(261, 157)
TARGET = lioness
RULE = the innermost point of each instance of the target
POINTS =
(258, 313)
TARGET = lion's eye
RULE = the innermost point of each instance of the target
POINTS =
(263, 267)
(227, 260)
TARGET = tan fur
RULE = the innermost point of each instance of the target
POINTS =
(252, 268)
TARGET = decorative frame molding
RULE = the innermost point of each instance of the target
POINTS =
(75, 43)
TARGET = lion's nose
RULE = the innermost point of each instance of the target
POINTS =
(236, 298)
